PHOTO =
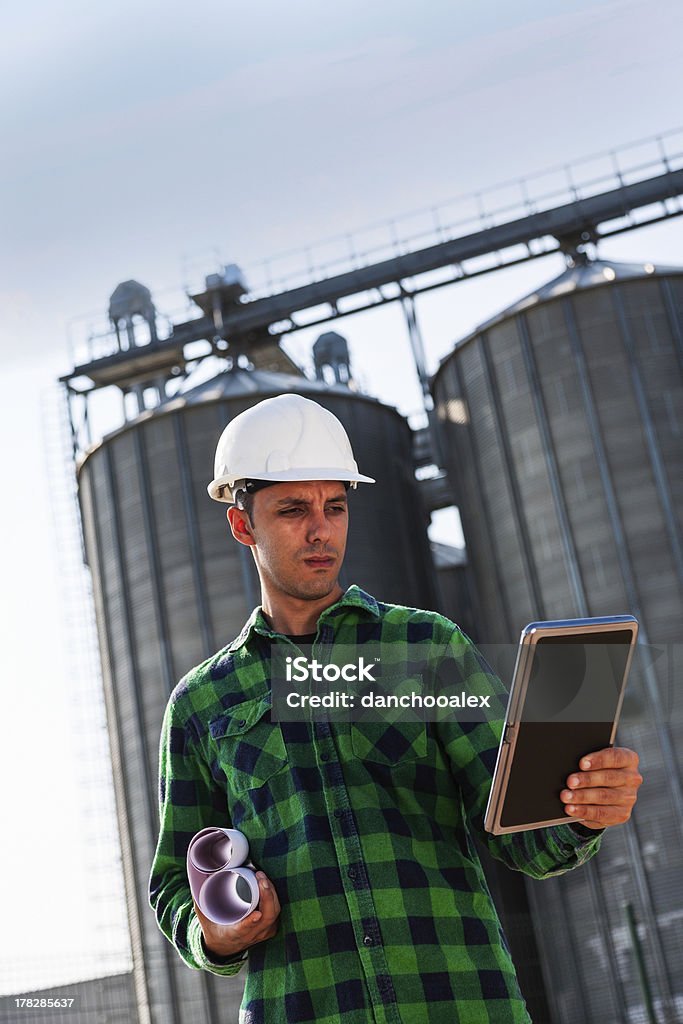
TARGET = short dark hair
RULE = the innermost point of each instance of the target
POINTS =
(245, 501)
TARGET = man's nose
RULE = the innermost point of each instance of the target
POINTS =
(318, 526)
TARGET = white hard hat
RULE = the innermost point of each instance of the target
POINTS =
(283, 438)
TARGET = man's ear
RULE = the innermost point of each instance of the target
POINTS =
(240, 525)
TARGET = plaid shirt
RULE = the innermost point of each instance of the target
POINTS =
(363, 827)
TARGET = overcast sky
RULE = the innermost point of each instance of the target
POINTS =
(140, 139)
(137, 133)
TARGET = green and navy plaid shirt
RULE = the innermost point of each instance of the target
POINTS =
(363, 827)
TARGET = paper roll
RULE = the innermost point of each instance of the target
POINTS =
(229, 895)
(224, 889)
(215, 848)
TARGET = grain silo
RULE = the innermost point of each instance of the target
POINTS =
(171, 587)
(563, 426)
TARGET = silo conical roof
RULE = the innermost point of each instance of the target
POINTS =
(592, 274)
(239, 381)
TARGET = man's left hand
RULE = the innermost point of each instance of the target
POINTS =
(604, 790)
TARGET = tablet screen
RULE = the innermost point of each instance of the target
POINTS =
(572, 698)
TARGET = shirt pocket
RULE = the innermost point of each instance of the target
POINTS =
(250, 747)
(392, 736)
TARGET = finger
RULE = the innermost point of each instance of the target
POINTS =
(596, 795)
(610, 757)
(599, 815)
(255, 917)
(612, 777)
(276, 901)
(268, 901)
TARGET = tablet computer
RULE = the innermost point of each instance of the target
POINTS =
(565, 699)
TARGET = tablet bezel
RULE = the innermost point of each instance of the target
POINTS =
(529, 637)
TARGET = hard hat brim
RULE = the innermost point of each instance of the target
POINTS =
(221, 489)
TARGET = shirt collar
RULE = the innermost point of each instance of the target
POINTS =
(354, 597)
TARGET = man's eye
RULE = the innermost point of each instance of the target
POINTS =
(296, 511)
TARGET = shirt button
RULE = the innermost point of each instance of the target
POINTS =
(242, 722)
(324, 757)
(352, 872)
(367, 940)
(338, 813)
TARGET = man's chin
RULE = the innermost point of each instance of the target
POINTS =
(314, 589)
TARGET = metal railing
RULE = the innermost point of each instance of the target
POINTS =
(92, 338)
(467, 213)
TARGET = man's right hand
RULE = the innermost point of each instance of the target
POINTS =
(229, 939)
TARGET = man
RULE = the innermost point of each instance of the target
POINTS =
(373, 904)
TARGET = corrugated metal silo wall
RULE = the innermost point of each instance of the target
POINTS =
(172, 586)
(108, 1000)
(564, 432)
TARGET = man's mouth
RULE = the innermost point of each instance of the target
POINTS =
(319, 561)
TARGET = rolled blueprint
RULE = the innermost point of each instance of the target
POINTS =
(229, 895)
(215, 848)
(224, 889)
